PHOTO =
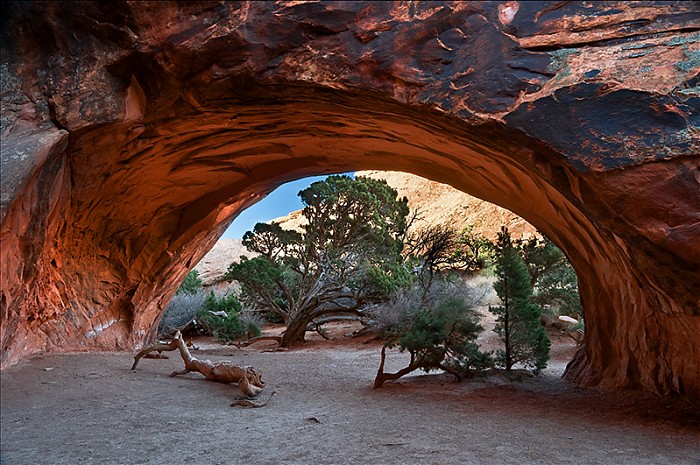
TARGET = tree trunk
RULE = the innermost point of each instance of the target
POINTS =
(296, 329)
(382, 377)
(506, 328)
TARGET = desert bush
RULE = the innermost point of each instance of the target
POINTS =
(444, 337)
(395, 314)
(219, 317)
(181, 310)
(438, 328)
(481, 289)
(192, 283)
(390, 317)
(252, 322)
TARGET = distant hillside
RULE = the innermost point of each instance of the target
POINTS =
(215, 263)
(438, 204)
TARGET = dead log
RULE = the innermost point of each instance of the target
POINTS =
(245, 403)
(249, 381)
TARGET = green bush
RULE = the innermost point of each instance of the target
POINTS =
(192, 284)
(444, 337)
(223, 328)
(438, 328)
(253, 330)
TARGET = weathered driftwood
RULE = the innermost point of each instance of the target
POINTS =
(249, 381)
(245, 403)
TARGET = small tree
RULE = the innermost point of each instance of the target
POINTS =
(439, 330)
(347, 256)
(552, 276)
(518, 318)
(192, 283)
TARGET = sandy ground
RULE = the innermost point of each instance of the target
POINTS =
(93, 409)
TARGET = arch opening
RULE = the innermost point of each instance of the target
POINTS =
(132, 206)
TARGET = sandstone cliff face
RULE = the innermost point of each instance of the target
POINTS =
(213, 266)
(133, 133)
(442, 204)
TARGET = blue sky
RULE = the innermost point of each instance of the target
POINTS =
(280, 202)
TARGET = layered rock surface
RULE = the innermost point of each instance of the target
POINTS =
(438, 203)
(212, 267)
(134, 132)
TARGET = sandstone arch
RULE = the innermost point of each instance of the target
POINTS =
(132, 135)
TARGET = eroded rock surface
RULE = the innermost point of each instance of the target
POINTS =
(134, 132)
(213, 266)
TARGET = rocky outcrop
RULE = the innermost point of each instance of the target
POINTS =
(212, 267)
(438, 203)
(134, 132)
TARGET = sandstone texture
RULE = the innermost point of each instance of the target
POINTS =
(134, 132)
(214, 264)
(438, 203)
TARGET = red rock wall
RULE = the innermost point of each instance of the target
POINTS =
(133, 134)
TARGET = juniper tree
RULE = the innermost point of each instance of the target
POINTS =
(552, 276)
(518, 318)
(192, 283)
(439, 329)
(347, 256)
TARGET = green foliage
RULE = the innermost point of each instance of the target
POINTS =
(192, 284)
(388, 277)
(361, 211)
(518, 318)
(270, 240)
(228, 303)
(258, 276)
(346, 257)
(438, 328)
(444, 337)
(253, 330)
(552, 276)
(223, 328)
